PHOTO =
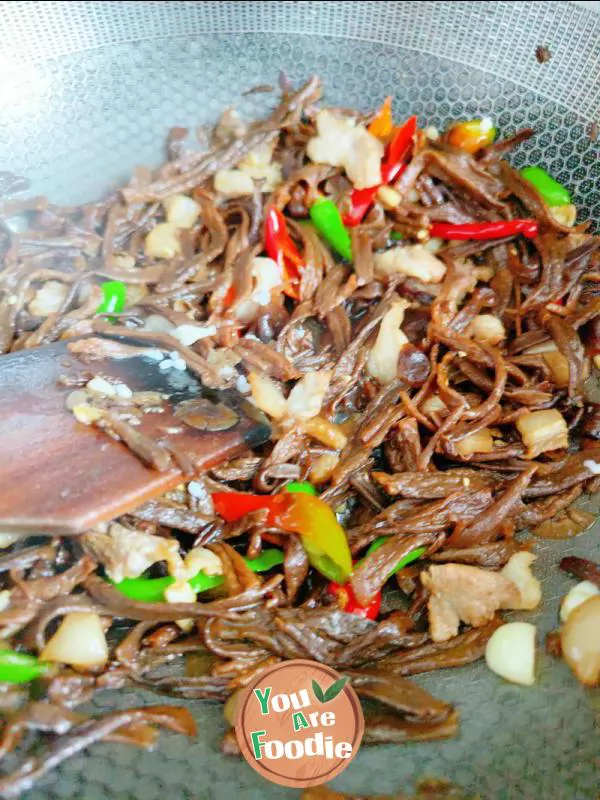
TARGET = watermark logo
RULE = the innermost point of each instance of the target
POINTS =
(299, 724)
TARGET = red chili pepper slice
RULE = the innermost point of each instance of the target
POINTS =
(485, 230)
(382, 123)
(392, 167)
(235, 505)
(323, 537)
(398, 150)
(348, 602)
(281, 248)
(361, 201)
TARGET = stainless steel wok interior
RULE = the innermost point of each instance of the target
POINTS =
(88, 91)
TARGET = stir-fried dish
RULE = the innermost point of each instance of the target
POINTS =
(416, 318)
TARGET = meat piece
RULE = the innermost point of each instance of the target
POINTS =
(433, 485)
(461, 593)
(125, 553)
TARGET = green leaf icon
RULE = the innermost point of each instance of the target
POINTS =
(331, 693)
(318, 692)
(335, 688)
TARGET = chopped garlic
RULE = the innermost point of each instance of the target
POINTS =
(48, 299)
(225, 361)
(270, 175)
(565, 215)
(258, 165)
(342, 143)
(484, 274)
(543, 431)
(432, 133)
(124, 261)
(414, 261)
(7, 538)
(434, 405)
(158, 324)
(201, 559)
(233, 183)
(163, 241)
(268, 277)
(307, 396)
(242, 385)
(4, 600)
(543, 347)
(135, 294)
(181, 210)
(190, 334)
(488, 328)
(389, 197)
(556, 362)
(434, 244)
(260, 156)
(78, 397)
(153, 354)
(101, 386)
(328, 433)
(181, 592)
(382, 363)
(559, 368)
(518, 570)
(122, 390)
(478, 442)
(593, 466)
(576, 596)
(86, 414)
(267, 395)
(322, 467)
(510, 652)
(197, 490)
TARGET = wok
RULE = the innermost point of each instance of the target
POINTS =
(89, 90)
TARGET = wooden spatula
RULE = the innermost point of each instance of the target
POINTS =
(58, 475)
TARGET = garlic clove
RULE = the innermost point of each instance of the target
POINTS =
(163, 241)
(181, 210)
(510, 652)
(576, 596)
(488, 328)
(479, 442)
(233, 183)
(267, 395)
(518, 570)
(580, 641)
(79, 641)
(181, 592)
(543, 431)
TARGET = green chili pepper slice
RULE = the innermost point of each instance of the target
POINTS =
(152, 590)
(115, 297)
(328, 221)
(324, 564)
(405, 561)
(266, 560)
(301, 487)
(553, 192)
(145, 590)
(396, 236)
(20, 667)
